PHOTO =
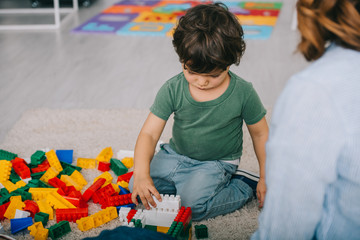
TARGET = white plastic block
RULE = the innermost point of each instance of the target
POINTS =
(166, 217)
(168, 202)
(130, 224)
(151, 216)
(21, 214)
(140, 215)
(123, 212)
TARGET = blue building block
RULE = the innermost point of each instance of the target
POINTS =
(123, 190)
(18, 224)
(65, 155)
(131, 205)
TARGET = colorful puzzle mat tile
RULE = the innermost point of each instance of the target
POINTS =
(158, 17)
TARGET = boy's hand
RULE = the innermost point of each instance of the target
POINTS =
(144, 188)
(261, 191)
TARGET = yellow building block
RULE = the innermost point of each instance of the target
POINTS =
(86, 163)
(97, 219)
(107, 177)
(15, 203)
(124, 184)
(79, 178)
(20, 184)
(162, 229)
(41, 193)
(9, 186)
(85, 223)
(112, 212)
(116, 187)
(104, 216)
(49, 174)
(105, 155)
(56, 201)
(128, 162)
(38, 231)
(5, 170)
(45, 208)
(53, 160)
(70, 182)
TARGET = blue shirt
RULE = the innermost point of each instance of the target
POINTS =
(313, 153)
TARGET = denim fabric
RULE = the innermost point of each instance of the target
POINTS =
(205, 186)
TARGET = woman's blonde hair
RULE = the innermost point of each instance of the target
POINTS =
(320, 21)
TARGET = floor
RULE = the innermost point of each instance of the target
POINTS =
(60, 69)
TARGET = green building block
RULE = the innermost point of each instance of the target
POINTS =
(151, 227)
(65, 165)
(177, 230)
(37, 158)
(59, 229)
(14, 177)
(5, 196)
(201, 231)
(20, 192)
(36, 183)
(5, 155)
(66, 171)
(41, 217)
(118, 167)
(138, 223)
(37, 175)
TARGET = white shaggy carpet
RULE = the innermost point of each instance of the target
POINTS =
(87, 132)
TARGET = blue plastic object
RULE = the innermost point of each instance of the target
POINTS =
(18, 224)
(65, 155)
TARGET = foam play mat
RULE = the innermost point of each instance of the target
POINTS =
(158, 17)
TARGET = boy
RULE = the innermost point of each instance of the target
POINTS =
(209, 104)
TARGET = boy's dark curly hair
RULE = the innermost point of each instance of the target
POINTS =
(209, 37)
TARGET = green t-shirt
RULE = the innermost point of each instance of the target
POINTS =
(210, 130)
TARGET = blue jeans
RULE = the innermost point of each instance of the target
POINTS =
(205, 186)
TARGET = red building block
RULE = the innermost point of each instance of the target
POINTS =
(20, 167)
(93, 188)
(31, 207)
(116, 200)
(57, 183)
(71, 214)
(3, 209)
(131, 214)
(125, 177)
(69, 189)
(41, 167)
(104, 166)
(76, 194)
(103, 193)
(184, 216)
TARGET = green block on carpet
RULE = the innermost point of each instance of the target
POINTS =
(118, 167)
(5, 155)
(201, 231)
(59, 229)
(41, 217)
(37, 158)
